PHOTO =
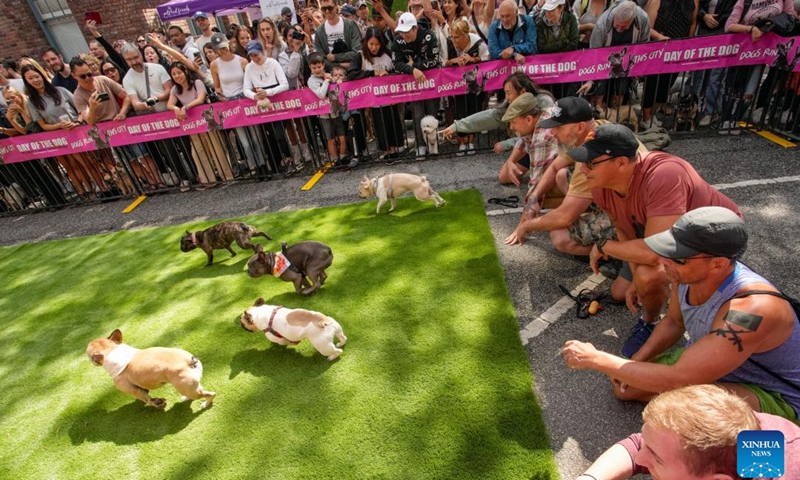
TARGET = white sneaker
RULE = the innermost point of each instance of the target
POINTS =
(421, 152)
(654, 122)
(461, 149)
(757, 114)
(729, 127)
(471, 149)
(705, 120)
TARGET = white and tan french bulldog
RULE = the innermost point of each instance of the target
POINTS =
(136, 371)
(391, 186)
(287, 326)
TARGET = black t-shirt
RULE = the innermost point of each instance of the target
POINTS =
(67, 82)
(624, 38)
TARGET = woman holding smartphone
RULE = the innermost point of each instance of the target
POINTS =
(386, 120)
(187, 92)
(53, 108)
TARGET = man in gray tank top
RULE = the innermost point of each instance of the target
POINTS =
(742, 337)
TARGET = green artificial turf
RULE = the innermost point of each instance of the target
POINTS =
(433, 382)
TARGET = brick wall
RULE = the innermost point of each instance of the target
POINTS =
(20, 28)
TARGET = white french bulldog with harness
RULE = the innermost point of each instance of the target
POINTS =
(391, 186)
(287, 326)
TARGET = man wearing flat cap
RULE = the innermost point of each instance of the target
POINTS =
(743, 333)
(642, 195)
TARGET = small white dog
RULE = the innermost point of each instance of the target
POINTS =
(429, 126)
(14, 197)
(287, 326)
(389, 187)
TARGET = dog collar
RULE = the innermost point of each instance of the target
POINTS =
(271, 330)
(280, 264)
(194, 239)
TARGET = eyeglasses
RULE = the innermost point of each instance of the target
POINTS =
(682, 261)
(326, 8)
(109, 70)
(86, 75)
(591, 165)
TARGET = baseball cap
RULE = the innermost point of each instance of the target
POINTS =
(520, 106)
(714, 231)
(552, 4)
(348, 10)
(609, 139)
(360, 3)
(254, 46)
(218, 40)
(406, 22)
(568, 110)
(200, 15)
(286, 11)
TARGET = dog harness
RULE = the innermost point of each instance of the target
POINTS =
(117, 361)
(271, 330)
(279, 265)
(194, 239)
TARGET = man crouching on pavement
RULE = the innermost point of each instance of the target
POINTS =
(743, 333)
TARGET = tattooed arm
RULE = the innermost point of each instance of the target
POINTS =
(740, 328)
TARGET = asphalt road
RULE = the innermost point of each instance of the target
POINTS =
(582, 415)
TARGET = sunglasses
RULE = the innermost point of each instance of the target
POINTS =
(141, 40)
(109, 70)
(591, 165)
(86, 75)
(682, 261)
(327, 8)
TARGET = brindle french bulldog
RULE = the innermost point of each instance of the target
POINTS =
(221, 236)
(294, 264)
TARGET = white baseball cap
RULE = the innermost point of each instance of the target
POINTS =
(406, 22)
(552, 4)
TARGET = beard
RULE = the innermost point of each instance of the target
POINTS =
(565, 147)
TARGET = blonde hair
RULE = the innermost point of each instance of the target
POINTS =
(707, 419)
(459, 26)
(91, 60)
(277, 41)
(26, 60)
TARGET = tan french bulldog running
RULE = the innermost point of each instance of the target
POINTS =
(391, 186)
(136, 371)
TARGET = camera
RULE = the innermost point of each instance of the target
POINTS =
(297, 35)
(150, 102)
(102, 97)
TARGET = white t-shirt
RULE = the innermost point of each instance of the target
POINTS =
(384, 60)
(136, 84)
(268, 75)
(334, 32)
(231, 76)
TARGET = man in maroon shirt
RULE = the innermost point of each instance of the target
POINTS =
(643, 195)
(691, 434)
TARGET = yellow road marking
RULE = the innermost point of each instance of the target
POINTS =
(768, 135)
(313, 181)
(135, 204)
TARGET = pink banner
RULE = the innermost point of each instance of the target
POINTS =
(697, 53)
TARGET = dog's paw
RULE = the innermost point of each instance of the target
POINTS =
(206, 404)
(159, 403)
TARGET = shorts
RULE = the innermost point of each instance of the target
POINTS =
(770, 402)
(332, 127)
(591, 226)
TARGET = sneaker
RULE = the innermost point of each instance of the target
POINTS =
(461, 150)
(639, 335)
(353, 163)
(653, 122)
(422, 151)
(471, 149)
(705, 120)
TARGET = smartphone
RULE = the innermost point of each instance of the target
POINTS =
(197, 55)
(94, 16)
(102, 97)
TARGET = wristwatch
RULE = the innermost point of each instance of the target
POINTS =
(599, 244)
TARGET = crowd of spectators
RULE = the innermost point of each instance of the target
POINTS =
(602, 196)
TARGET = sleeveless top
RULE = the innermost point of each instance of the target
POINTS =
(783, 360)
(231, 76)
(674, 18)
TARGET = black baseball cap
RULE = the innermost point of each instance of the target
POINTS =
(568, 110)
(609, 139)
(715, 231)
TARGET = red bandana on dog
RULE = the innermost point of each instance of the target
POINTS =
(281, 264)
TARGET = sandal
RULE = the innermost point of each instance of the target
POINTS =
(510, 201)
